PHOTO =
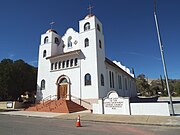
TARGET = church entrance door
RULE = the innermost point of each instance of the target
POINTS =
(63, 88)
(63, 91)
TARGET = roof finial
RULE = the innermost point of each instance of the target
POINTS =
(52, 23)
(90, 9)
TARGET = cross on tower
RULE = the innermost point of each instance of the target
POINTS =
(52, 23)
(90, 9)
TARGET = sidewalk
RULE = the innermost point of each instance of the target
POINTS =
(121, 119)
(32, 114)
(125, 119)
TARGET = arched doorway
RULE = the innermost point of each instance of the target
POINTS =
(63, 87)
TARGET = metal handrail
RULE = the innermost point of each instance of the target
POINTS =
(53, 97)
(50, 97)
(81, 100)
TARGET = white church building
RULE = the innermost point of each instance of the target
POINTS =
(75, 66)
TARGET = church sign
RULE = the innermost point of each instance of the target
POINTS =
(113, 104)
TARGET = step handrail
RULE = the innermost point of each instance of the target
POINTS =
(50, 97)
(81, 100)
(54, 97)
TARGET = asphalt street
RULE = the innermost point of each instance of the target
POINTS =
(21, 125)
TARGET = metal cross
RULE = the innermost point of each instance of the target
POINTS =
(52, 23)
(90, 9)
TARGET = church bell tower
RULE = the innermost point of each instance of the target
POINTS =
(92, 44)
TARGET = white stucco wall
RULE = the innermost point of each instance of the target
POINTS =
(91, 59)
(75, 40)
(98, 107)
(131, 88)
(160, 109)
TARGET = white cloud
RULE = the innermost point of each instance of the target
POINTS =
(11, 56)
(142, 55)
(33, 63)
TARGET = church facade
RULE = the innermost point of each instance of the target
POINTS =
(75, 65)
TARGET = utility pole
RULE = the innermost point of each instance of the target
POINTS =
(162, 56)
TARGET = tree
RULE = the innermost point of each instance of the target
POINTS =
(142, 85)
(157, 86)
(6, 73)
(177, 88)
(16, 78)
(25, 77)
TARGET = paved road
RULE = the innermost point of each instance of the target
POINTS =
(20, 125)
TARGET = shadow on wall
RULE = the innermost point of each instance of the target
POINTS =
(39, 94)
(143, 99)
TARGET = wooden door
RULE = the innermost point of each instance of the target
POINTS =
(63, 91)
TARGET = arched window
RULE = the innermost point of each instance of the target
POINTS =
(63, 45)
(100, 45)
(63, 64)
(67, 63)
(98, 27)
(125, 81)
(57, 41)
(44, 53)
(52, 66)
(86, 42)
(59, 65)
(75, 62)
(55, 65)
(120, 81)
(87, 79)
(43, 84)
(46, 40)
(64, 80)
(111, 79)
(69, 41)
(71, 63)
(86, 26)
(102, 80)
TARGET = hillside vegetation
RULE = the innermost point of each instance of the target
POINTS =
(157, 86)
(16, 78)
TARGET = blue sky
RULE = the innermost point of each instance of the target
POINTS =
(128, 25)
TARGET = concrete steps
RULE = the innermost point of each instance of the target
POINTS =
(59, 106)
